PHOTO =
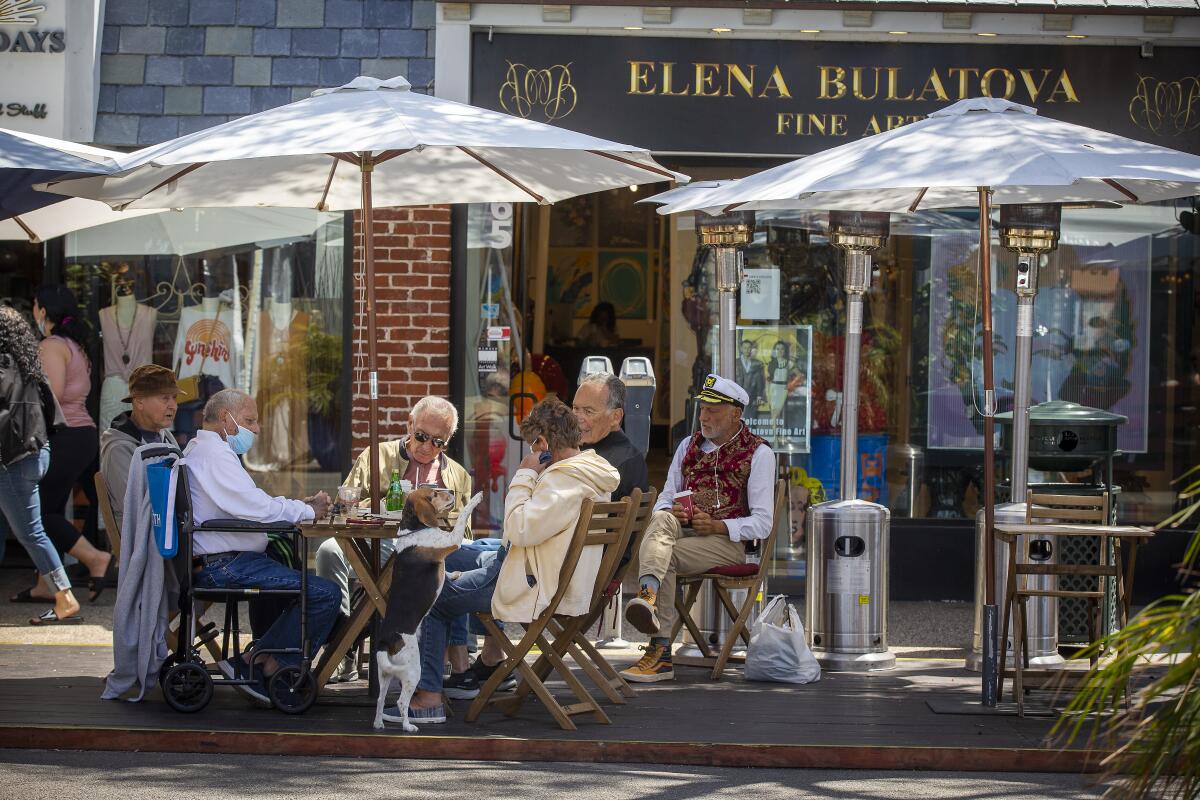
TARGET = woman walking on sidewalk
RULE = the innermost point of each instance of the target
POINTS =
(26, 415)
(73, 448)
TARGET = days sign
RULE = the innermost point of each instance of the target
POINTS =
(499, 333)
(801, 97)
(489, 310)
(49, 76)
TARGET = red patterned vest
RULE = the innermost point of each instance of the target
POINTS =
(721, 474)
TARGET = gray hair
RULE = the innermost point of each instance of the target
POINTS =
(230, 400)
(615, 386)
(438, 407)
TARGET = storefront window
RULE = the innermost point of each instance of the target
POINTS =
(244, 298)
(498, 389)
(1112, 330)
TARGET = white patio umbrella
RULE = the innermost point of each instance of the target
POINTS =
(63, 217)
(365, 144)
(189, 231)
(27, 159)
(978, 151)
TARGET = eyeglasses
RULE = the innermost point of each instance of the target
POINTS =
(423, 437)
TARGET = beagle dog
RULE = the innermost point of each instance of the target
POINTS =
(418, 571)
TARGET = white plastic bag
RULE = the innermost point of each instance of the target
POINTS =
(777, 649)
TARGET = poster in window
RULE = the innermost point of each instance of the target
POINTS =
(1090, 335)
(760, 294)
(774, 365)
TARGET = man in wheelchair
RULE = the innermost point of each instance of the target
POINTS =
(222, 489)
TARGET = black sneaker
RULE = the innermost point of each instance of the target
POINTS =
(461, 685)
(483, 672)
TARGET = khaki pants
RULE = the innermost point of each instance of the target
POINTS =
(668, 550)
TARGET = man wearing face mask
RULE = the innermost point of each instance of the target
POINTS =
(222, 489)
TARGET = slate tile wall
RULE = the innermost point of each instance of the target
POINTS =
(171, 67)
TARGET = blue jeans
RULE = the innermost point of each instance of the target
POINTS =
(471, 592)
(20, 503)
(258, 571)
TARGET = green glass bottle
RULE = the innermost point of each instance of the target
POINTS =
(395, 495)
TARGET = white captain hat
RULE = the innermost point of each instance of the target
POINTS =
(722, 390)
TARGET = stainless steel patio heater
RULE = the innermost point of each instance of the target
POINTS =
(726, 234)
(848, 539)
(1030, 231)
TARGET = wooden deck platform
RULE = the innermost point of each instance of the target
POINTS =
(49, 698)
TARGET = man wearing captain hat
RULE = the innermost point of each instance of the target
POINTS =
(718, 496)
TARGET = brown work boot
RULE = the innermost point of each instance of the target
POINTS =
(655, 666)
(640, 611)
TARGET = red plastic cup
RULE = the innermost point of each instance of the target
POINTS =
(684, 498)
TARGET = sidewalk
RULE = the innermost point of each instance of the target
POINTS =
(50, 683)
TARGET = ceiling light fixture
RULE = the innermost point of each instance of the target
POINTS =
(633, 27)
(987, 34)
(1076, 36)
(898, 33)
(810, 30)
(721, 30)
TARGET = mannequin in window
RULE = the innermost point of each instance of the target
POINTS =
(127, 330)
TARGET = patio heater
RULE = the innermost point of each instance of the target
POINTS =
(726, 234)
(848, 538)
(1029, 230)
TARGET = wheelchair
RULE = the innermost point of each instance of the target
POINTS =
(187, 681)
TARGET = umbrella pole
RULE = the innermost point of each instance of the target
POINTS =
(368, 223)
(990, 617)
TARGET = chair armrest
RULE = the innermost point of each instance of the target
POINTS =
(245, 525)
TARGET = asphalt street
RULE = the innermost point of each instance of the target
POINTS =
(135, 776)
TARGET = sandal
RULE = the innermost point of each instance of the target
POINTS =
(48, 617)
(97, 585)
(27, 596)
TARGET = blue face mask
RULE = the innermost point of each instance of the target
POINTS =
(242, 441)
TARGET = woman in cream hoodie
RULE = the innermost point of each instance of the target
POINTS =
(516, 583)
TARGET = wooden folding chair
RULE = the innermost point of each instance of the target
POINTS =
(110, 519)
(602, 524)
(1048, 510)
(748, 577)
(608, 585)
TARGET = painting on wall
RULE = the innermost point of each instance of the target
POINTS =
(572, 222)
(623, 223)
(624, 282)
(570, 279)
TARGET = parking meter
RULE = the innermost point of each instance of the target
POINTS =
(594, 364)
(637, 373)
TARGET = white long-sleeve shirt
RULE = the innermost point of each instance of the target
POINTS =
(222, 489)
(760, 491)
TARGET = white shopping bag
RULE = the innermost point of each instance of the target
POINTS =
(777, 650)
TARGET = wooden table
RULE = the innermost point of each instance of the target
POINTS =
(1010, 534)
(360, 545)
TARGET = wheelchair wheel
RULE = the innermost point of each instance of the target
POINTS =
(187, 687)
(292, 690)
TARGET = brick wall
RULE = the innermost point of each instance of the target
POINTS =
(173, 67)
(412, 315)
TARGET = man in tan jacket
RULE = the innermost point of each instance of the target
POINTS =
(517, 582)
